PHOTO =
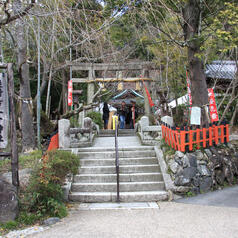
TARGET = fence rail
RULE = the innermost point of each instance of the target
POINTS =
(117, 161)
(184, 139)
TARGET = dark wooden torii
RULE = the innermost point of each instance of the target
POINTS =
(144, 67)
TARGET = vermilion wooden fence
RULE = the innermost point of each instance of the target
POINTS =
(184, 139)
(54, 142)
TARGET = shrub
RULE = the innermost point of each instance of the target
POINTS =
(44, 194)
(11, 225)
(97, 118)
(27, 218)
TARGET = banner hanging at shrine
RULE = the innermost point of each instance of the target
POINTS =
(189, 90)
(70, 93)
(4, 111)
(212, 105)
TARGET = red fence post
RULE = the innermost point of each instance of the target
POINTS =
(222, 133)
(182, 137)
(190, 138)
(216, 134)
(198, 138)
(227, 132)
(204, 137)
(210, 136)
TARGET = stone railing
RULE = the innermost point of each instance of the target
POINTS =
(149, 135)
(77, 137)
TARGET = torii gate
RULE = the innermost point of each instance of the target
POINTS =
(143, 67)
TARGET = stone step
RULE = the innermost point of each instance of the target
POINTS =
(143, 196)
(121, 132)
(112, 187)
(122, 154)
(132, 177)
(112, 149)
(123, 169)
(122, 161)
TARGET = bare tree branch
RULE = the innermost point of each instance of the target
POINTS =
(13, 17)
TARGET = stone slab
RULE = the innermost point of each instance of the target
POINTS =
(132, 205)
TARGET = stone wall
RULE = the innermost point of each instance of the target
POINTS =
(202, 171)
(77, 137)
(149, 135)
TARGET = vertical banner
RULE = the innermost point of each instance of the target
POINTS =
(4, 111)
(70, 93)
(149, 97)
(212, 105)
(147, 93)
(189, 90)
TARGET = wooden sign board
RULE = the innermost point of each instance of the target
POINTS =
(4, 111)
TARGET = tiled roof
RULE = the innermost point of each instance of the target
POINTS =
(221, 69)
(127, 91)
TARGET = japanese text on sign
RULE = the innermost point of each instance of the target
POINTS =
(3, 112)
(212, 105)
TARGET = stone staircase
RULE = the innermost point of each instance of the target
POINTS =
(140, 176)
(121, 132)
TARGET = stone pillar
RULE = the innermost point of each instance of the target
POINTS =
(168, 120)
(90, 91)
(87, 124)
(8, 202)
(64, 136)
(146, 101)
(144, 122)
(81, 117)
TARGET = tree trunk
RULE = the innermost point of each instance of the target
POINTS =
(191, 15)
(234, 115)
(64, 91)
(44, 76)
(28, 135)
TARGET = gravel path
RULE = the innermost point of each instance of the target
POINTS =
(170, 220)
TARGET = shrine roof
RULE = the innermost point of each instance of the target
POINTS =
(127, 93)
(221, 69)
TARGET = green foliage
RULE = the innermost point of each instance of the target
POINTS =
(167, 150)
(5, 165)
(61, 163)
(44, 196)
(222, 36)
(11, 225)
(180, 115)
(25, 161)
(29, 160)
(97, 118)
(47, 127)
(190, 194)
(27, 218)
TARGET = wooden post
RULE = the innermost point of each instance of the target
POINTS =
(182, 136)
(204, 137)
(190, 139)
(210, 135)
(146, 101)
(222, 133)
(198, 138)
(14, 151)
(90, 91)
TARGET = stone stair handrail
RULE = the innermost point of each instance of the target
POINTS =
(76, 137)
(149, 135)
